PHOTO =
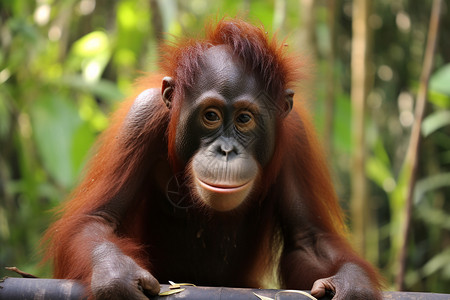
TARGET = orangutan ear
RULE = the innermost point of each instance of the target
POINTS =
(168, 86)
(288, 102)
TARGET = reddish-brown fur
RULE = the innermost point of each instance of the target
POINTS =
(125, 160)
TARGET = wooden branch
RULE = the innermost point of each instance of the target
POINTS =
(59, 289)
(411, 159)
(43, 289)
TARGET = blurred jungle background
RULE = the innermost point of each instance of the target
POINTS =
(66, 64)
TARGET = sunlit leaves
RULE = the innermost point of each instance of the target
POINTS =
(439, 89)
(440, 80)
(55, 124)
(92, 52)
(435, 121)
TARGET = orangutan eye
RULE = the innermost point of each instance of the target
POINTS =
(245, 121)
(212, 118)
(244, 118)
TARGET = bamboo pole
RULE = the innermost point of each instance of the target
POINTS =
(360, 76)
(411, 159)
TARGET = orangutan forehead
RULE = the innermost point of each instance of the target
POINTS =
(221, 70)
(255, 50)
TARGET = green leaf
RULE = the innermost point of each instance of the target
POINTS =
(92, 53)
(92, 44)
(430, 183)
(435, 121)
(438, 99)
(83, 139)
(434, 216)
(103, 88)
(437, 263)
(55, 122)
(379, 172)
(440, 80)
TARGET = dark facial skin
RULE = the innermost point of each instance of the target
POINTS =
(225, 130)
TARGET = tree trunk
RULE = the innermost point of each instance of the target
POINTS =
(359, 90)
